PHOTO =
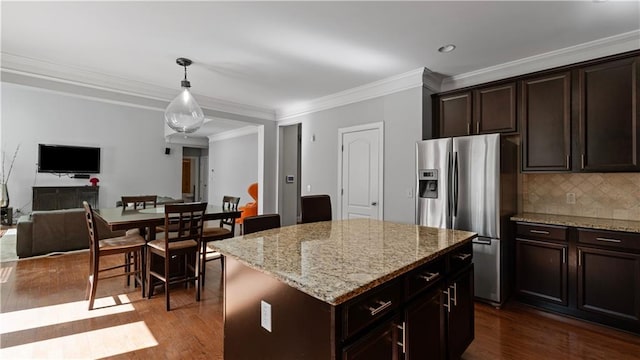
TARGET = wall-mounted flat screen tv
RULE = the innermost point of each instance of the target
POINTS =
(68, 159)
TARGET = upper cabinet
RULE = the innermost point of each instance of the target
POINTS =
(454, 114)
(495, 109)
(546, 122)
(481, 111)
(606, 115)
(581, 118)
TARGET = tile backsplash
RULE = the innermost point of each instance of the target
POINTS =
(602, 195)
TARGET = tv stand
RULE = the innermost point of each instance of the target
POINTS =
(64, 197)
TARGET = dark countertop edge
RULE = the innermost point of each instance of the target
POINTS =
(362, 289)
(579, 221)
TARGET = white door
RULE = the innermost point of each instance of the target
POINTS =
(361, 172)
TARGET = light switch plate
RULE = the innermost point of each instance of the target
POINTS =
(265, 315)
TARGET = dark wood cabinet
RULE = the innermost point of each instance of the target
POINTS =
(64, 197)
(454, 114)
(460, 313)
(541, 270)
(591, 274)
(545, 113)
(495, 109)
(608, 276)
(383, 343)
(606, 112)
(424, 327)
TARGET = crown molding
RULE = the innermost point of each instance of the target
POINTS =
(586, 51)
(247, 130)
(375, 89)
(41, 72)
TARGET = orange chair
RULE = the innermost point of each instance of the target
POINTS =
(249, 209)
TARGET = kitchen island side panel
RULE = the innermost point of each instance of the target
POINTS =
(301, 325)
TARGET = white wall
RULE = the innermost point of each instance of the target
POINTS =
(402, 116)
(233, 166)
(131, 140)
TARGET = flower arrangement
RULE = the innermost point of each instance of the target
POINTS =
(94, 181)
(5, 175)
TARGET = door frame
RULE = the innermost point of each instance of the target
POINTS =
(372, 126)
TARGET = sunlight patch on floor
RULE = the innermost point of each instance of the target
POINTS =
(62, 313)
(87, 345)
(5, 273)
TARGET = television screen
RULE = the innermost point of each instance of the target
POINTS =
(68, 159)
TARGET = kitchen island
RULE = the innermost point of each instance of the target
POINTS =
(350, 289)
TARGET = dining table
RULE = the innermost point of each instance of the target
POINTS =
(120, 218)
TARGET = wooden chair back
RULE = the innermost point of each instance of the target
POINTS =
(315, 208)
(229, 203)
(139, 201)
(93, 230)
(260, 222)
(185, 221)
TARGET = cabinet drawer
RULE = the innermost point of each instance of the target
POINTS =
(370, 307)
(424, 277)
(547, 232)
(460, 257)
(614, 239)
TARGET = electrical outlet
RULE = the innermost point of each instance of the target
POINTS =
(265, 315)
(308, 188)
(571, 198)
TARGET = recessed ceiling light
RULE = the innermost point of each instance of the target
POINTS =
(447, 48)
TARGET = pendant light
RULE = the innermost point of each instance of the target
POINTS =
(184, 114)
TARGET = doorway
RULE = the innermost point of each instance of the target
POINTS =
(194, 170)
(360, 171)
(289, 170)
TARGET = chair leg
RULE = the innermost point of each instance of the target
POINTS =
(141, 274)
(93, 279)
(196, 272)
(166, 279)
(149, 276)
(203, 263)
(127, 268)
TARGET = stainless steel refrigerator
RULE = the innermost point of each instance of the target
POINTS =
(469, 183)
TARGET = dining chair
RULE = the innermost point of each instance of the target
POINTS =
(135, 202)
(315, 208)
(226, 230)
(133, 244)
(187, 219)
(250, 208)
(257, 223)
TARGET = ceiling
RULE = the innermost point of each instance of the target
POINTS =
(271, 56)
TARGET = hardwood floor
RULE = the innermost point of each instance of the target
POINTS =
(43, 315)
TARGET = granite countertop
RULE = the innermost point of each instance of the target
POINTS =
(580, 221)
(335, 261)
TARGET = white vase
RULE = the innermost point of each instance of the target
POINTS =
(4, 196)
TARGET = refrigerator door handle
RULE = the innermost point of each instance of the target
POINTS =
(455, 184)
(449, 188)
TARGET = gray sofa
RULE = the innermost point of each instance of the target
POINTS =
(45, 232)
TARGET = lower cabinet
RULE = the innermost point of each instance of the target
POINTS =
(424, 327)
(460, 313)
(541, 270)
(382, 343)
(585, 273)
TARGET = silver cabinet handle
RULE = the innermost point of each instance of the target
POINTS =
(462, 257)
(448, 304)
(383, 305)
(539, 232)
(428, 276)
(608, 240)
(374, 203)
(401, 327)
(455, 293)
(564, 255)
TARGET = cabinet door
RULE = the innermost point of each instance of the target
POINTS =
(379, 344)
(608, 114)
(455, 114)
(460, 314)
(609, 283)
(88, 194)
(541, 270)
(546, 123)
(45, 199)
(495, 109)
(424, 327)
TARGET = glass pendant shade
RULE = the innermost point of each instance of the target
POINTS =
(183, 114)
